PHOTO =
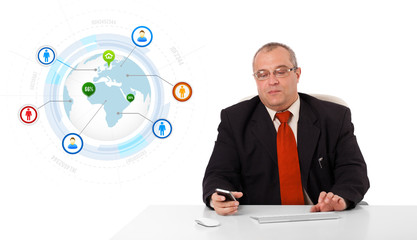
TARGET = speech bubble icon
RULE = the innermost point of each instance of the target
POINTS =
(89, 89)
(130, 97)
(109, 56)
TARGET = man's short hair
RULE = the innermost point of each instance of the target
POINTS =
(271, 46)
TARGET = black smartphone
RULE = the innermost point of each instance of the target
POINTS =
(227, 194)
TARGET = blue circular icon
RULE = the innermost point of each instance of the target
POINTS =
(140, 36)
(46, 55)
(162, 128)
(72, 143)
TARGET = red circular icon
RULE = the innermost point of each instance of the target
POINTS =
(28, 114)
(182, 91)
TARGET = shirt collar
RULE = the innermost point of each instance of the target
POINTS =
(294, 109)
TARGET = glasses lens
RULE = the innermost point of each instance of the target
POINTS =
(281, 72)
(262, 75)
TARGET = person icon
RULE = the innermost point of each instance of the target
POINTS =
(182, 91)
(46, 55)
(162, 129)
(142, 37)
(72, 148)
(28, 114)
(72, 145)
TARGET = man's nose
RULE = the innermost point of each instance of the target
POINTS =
(272, 80)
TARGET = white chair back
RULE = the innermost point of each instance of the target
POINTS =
(330, 98)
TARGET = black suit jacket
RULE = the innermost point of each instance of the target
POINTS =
(245, 153)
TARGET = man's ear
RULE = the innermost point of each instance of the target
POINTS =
(298, 73)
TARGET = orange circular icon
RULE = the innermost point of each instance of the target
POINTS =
(182, 91)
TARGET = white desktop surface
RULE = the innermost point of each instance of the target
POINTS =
(363, 222)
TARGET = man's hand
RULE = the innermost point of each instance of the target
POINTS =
(329, 202)
(223, 207)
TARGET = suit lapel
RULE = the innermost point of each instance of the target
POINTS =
(307, 138)
(264, 130)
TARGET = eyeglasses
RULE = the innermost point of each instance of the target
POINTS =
(280, 72)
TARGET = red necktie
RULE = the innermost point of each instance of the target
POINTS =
(288, 164)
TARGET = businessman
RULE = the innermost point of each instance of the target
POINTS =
(285, 147)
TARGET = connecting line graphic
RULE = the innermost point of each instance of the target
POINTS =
(137, 114)
(121, 65)
(92, 117)
(128, 75)
(54, 101)
(78, 69)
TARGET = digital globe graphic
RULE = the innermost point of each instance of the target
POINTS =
(111, 86)
(108, 92)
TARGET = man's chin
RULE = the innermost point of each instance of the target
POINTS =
(274, 105)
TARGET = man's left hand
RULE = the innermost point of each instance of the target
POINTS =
(329, 202)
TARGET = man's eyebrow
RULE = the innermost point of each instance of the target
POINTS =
(282, 65)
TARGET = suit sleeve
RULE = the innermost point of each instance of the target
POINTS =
(223, 169)
(350, 171)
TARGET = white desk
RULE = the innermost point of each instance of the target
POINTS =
(363, 222)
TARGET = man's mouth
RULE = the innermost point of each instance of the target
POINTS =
(274, 91)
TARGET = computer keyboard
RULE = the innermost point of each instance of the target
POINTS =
(296, 217)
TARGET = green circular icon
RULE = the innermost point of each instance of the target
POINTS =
(130, 97)
(109, 56)
(89, 89)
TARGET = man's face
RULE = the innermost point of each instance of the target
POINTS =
(276, 93)
(142, 34)
(72, 141)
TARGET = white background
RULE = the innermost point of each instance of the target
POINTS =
(362, 51)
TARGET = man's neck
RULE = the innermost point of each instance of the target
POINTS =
(286, 106)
